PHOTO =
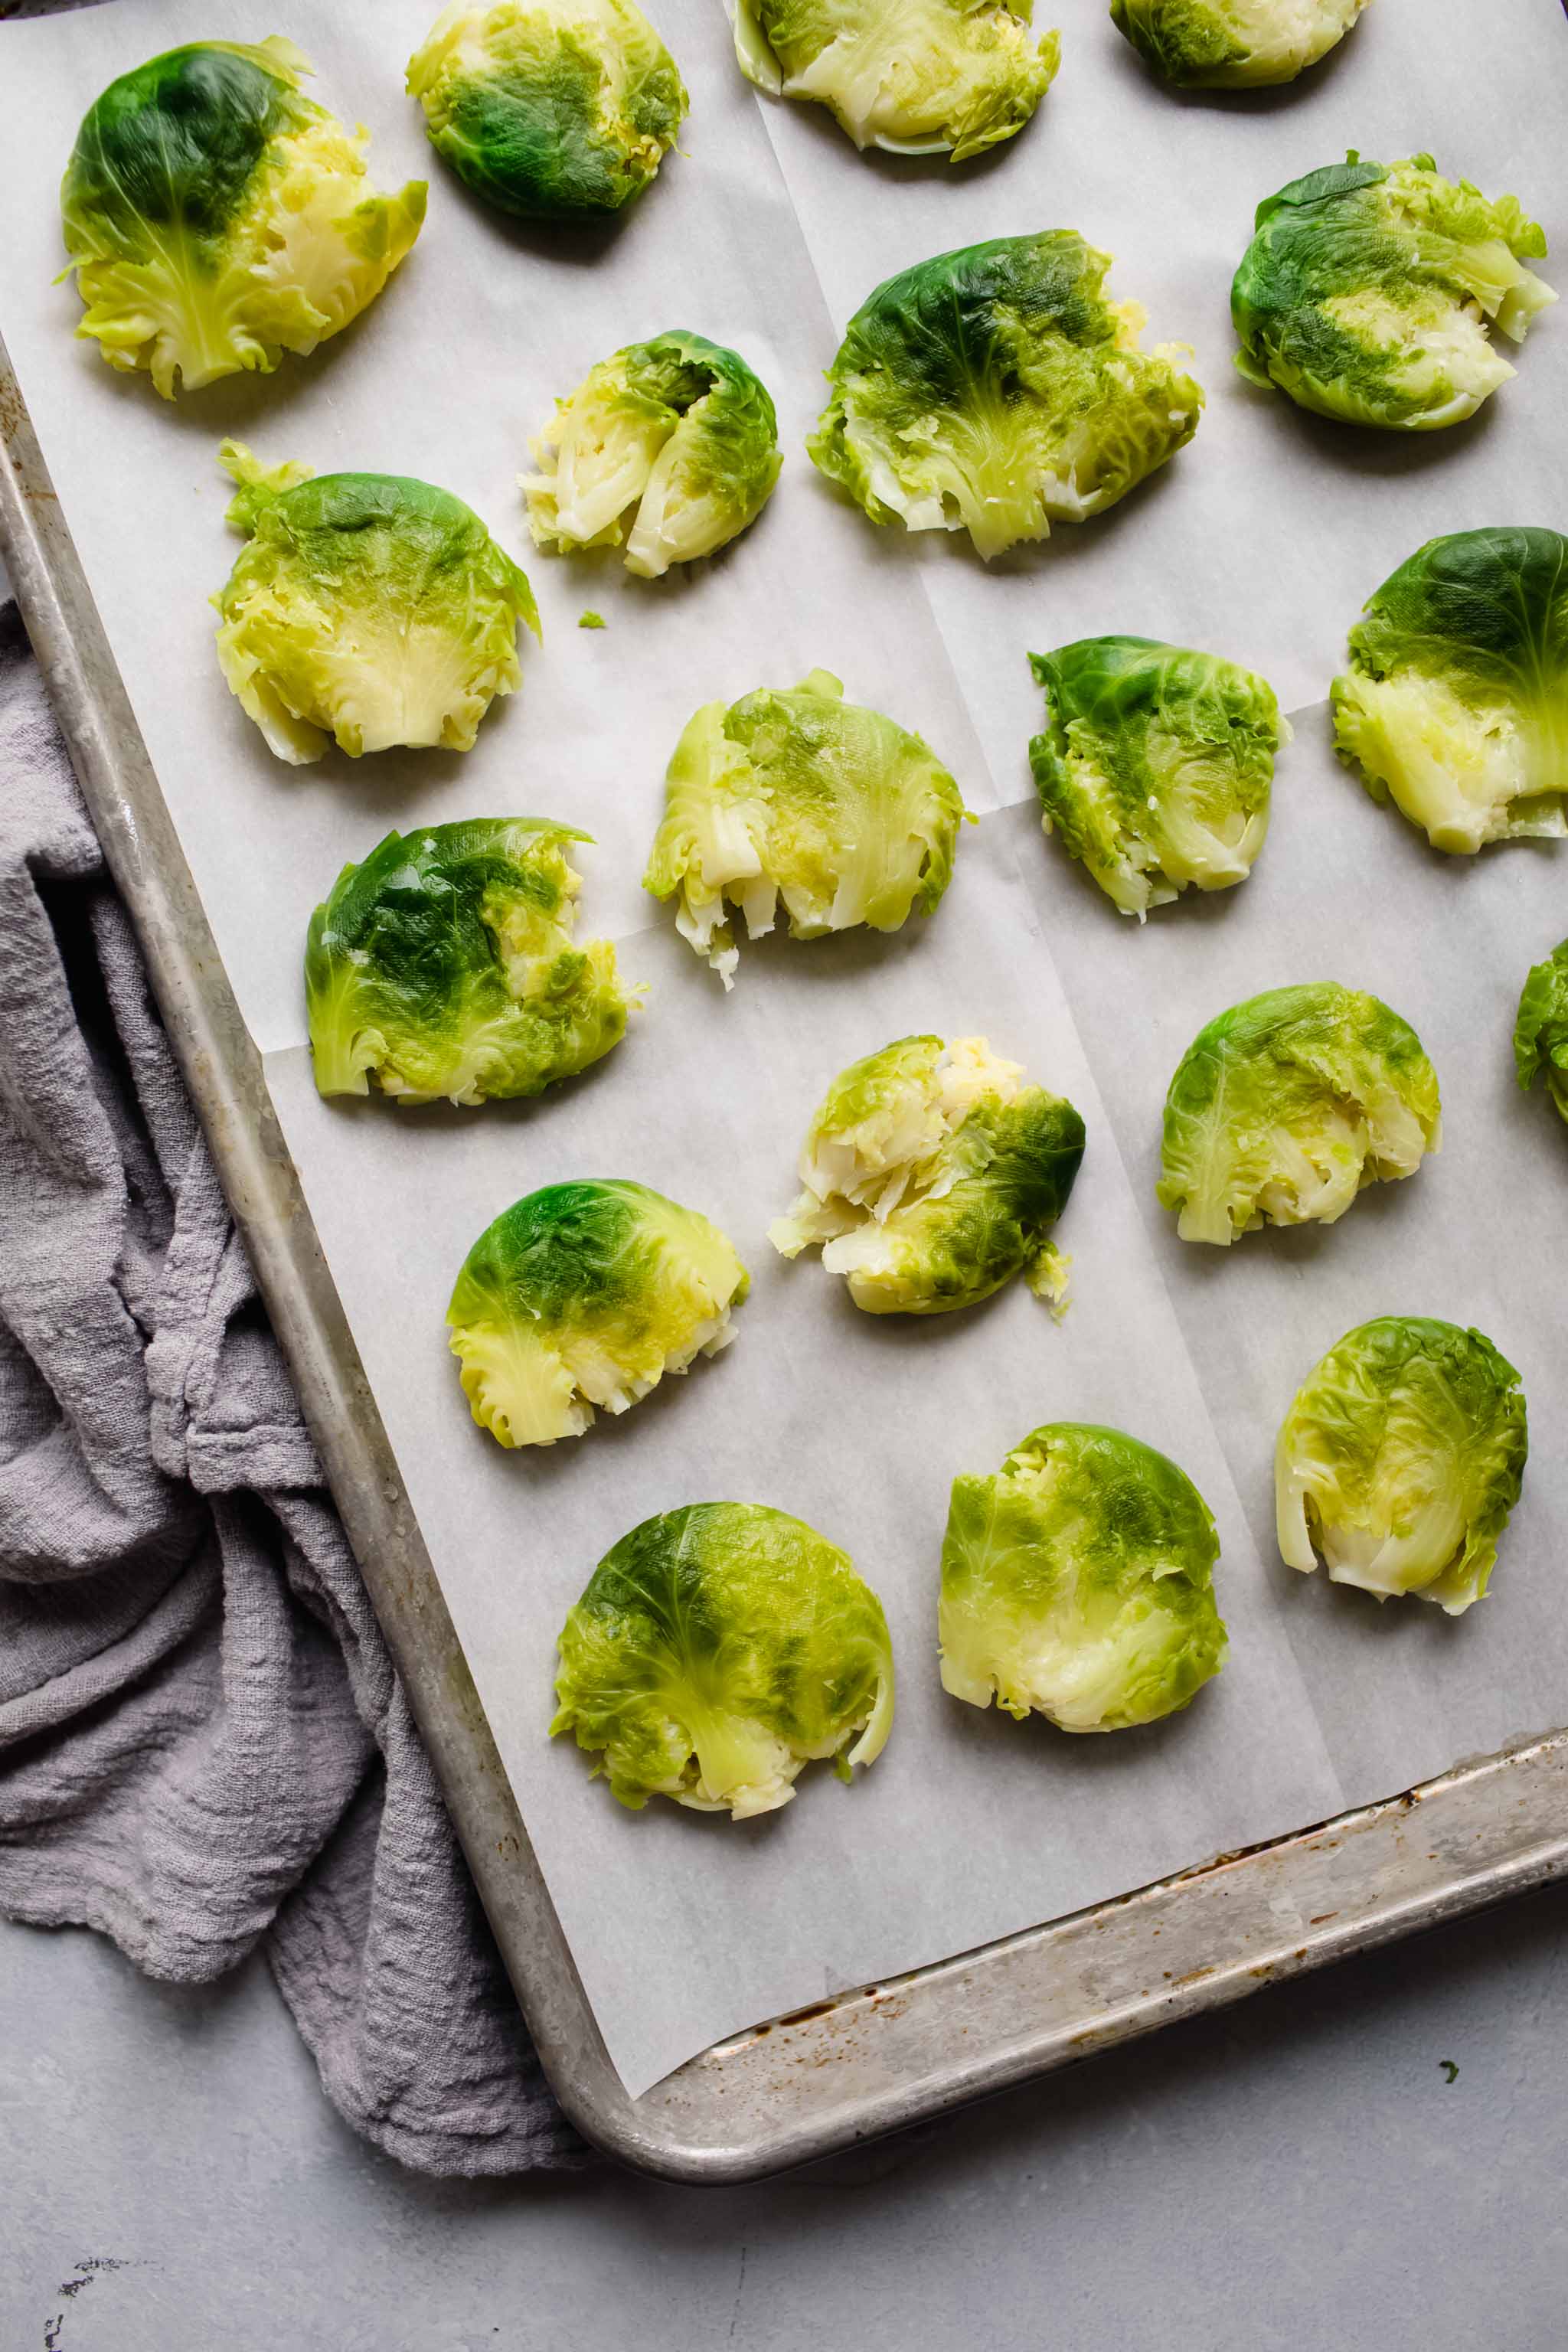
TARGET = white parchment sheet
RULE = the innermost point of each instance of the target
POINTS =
(1262, 540)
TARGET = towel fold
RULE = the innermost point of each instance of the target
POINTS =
(202, 1743)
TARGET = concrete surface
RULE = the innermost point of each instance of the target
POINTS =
(1297, 2175)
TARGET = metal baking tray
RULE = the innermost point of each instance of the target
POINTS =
(867, 2062)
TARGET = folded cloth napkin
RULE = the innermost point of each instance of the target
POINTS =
(202, 1743)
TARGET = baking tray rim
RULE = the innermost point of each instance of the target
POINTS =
(866, 2062)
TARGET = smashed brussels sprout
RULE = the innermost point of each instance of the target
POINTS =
(367, 610)
(216, 218)
(549, 107)
(1233, 44)
(679, 429)
(920, 77)
(585, 1296)
(930, 1177)
(1286, 1106)
(444, 965)
(1540, 1032)
(800, 796)
(1456, 703)
(1400, 1461)
(1367, 292)
(717, 1650)
(1077, 1581)
(1156, 765)
(997, 391)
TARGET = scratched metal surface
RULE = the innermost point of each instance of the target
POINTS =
(869, 2062)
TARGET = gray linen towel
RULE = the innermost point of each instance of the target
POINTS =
(202, 1744)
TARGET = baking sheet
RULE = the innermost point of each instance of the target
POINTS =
(1262, 538)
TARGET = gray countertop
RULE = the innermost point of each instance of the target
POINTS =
(1295, 2175)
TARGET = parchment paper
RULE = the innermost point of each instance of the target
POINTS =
(1262, 540)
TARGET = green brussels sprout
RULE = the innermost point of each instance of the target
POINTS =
(367, 610)
(922, 78)
(1156, 765)
(1540, 1032)
(1286, 1106)
(931, 1176)
(444, 965)
(802, 796)
(550, 109)
(679, 429)
(1368, 290)
(1400, 1461)
(1456, 703)
(1233, 44)
(1079, 1582)
(717, 1650)
(215, 218)
(997, 391)
(583, 1296)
